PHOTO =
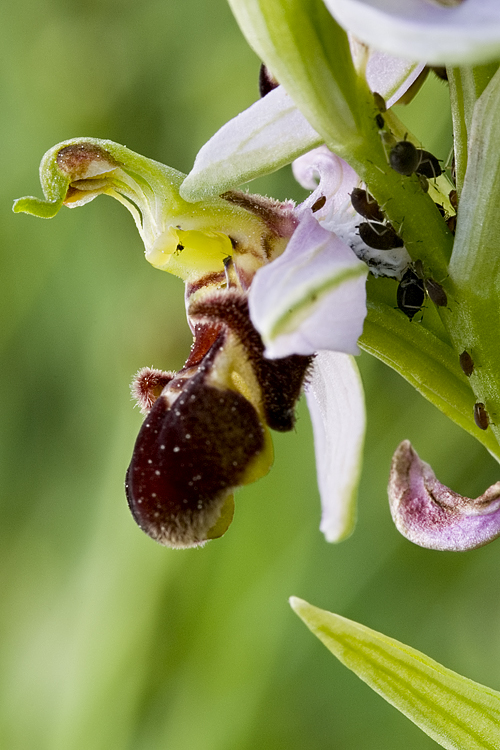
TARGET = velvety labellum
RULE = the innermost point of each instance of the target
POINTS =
(280, 380)
(188, 458)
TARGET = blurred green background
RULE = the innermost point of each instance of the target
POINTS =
(107, 640)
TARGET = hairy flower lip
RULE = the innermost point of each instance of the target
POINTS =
(431, 515)
(196, 445)
(257, 231)
(280, 380)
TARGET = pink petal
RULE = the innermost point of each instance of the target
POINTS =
(312, 297)
(433, 516)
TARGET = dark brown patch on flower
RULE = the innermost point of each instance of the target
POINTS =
(188, 458)
(216, 277)
(267, 82)
(205, 337)
(277, 216)
(74, 160)
(280, 380)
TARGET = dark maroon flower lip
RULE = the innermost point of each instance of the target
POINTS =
(187, 460)
(203, 437)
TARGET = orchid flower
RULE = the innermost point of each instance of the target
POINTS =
(206, 429)
(332, 94)
(269, 283)
(196, 446)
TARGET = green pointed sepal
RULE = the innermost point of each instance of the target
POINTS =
(189, 240)
(455, 711)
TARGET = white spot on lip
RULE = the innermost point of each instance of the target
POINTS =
(162, 447)
(187, 436)
(157, 473)
(150, 460)
(176, 449)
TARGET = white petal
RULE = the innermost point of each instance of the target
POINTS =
(330, 176)
(260, 140)
(272, 132)
(336, 403)
(423, 30)
(312, 297)
(391, 76)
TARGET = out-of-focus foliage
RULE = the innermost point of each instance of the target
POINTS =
(108, 640)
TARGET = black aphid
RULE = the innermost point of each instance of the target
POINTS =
(410, 294)
(436, 292)
(267, 82)
(481, 416)
(404, 158)
(407, 159)
(379, 236)
(466, 363)
(434, 289)
(379, 102)
(428, 165)
(366, 205)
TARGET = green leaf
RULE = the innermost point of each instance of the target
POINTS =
(455, 711)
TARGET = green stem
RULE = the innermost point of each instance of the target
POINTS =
(429, 364)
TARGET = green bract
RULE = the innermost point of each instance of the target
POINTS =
(309, 54)
(455, 711)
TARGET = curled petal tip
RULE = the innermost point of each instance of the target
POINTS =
(431, 515)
